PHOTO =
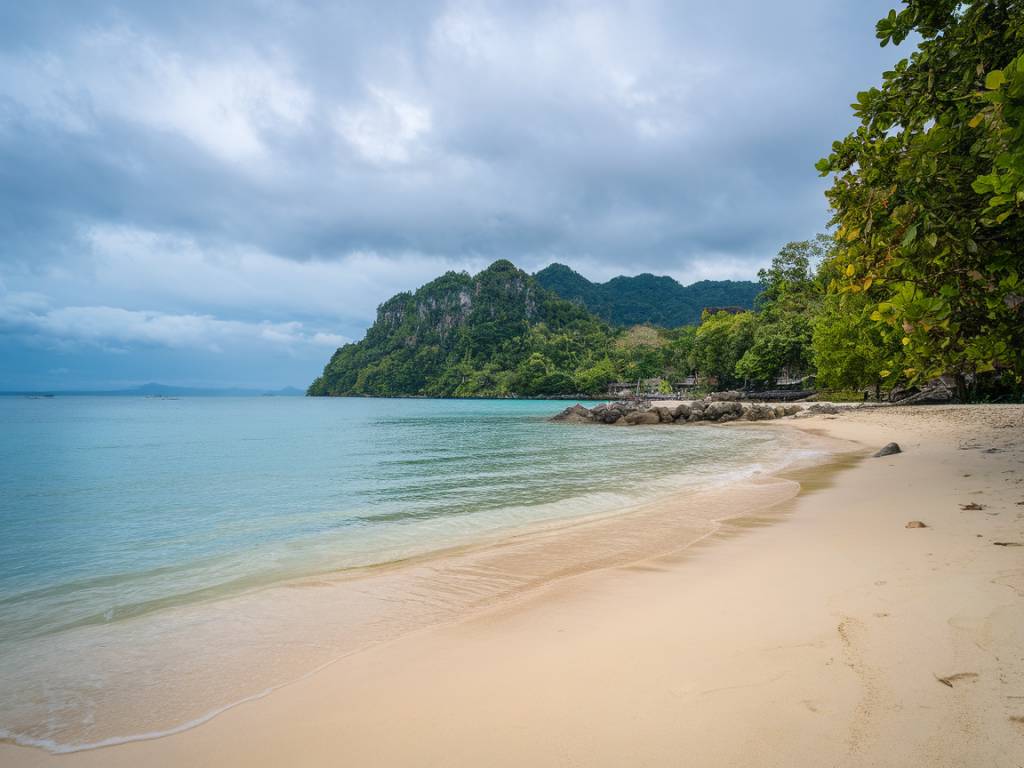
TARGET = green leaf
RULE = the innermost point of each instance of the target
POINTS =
(910, 236)
(994, 79)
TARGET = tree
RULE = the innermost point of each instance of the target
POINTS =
(926, 193)
(849, 349)
(719, 343)
(594, 380)
(790, 297)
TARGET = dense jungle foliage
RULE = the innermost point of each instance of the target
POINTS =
(626, 301)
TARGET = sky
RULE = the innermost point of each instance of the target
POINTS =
(220, 194)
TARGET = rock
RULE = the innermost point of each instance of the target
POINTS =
(574, 414)
(727, 417)
(792, 410)
(642, 417)
(682, 412)
(665, 415)
(823, 408)
(916, 524)
(887, 450)
(714, 411)
(780, 411)
(758, 412)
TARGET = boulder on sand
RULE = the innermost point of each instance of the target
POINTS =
(665, 415)
(758, 412)
(681, 412)
(714, 411)
(887, 450)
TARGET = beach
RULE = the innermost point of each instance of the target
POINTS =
(814, 629)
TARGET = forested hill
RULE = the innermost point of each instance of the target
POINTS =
(625, 301)
(494, 333)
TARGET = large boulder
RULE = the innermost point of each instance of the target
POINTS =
(665, 415)
(574, 414)
(642, 417)
(759, 412)
(681, 412)
(715, 411)
(792, 410)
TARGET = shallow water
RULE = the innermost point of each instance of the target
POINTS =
(140, 537)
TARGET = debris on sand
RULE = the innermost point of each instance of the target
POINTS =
(948, 681)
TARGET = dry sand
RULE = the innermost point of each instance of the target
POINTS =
(820, 633)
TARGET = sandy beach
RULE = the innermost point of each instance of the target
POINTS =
(820, 631)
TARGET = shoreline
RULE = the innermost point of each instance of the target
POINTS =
(507, 565)
(678, 572)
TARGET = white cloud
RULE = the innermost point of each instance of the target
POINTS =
(132, 264)
(227, 106)
(384, 129)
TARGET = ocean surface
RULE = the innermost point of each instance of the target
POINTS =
(125, 519)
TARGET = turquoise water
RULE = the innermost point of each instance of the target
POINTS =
(116, 509)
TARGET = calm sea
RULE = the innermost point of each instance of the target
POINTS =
(117, 511)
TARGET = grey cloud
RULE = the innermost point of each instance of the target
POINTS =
(672, 137)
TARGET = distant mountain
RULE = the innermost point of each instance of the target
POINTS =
(492, 334)
(165, 390)
(646, 298)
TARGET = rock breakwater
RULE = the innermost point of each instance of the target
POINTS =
(633, 413)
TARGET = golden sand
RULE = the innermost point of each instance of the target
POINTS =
(818, 631)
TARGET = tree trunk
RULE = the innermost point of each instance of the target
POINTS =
(961, 388)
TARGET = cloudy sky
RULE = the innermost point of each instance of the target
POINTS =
(221, 193)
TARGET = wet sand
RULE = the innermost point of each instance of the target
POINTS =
(818, 631)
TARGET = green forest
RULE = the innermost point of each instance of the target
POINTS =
(919, 276)
(657, 300)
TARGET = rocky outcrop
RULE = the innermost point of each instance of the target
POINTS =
(707, 410)
(574, 414)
